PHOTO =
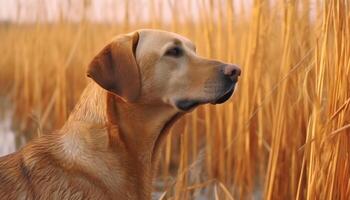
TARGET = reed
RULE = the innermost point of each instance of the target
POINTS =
(285, 134)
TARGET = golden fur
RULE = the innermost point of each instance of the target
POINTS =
(109, 146)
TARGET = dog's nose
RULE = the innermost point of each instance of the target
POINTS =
(233, 71)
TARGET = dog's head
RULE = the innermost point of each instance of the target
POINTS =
(158, 67)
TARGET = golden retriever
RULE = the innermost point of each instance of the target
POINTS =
(108, 148)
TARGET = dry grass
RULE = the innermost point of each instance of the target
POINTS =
(286, 131)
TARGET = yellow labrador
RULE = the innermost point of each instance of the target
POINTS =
(107, 149)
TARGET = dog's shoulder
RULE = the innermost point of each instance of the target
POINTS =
(14, 177)
(37, 172)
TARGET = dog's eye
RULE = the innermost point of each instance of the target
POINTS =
(174, 52)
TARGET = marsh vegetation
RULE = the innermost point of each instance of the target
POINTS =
(285, 134)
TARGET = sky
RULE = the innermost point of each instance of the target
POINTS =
(101, 10)
(27, 11)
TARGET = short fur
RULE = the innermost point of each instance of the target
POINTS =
(110, 144)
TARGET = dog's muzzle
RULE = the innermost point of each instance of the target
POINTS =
(229, 77)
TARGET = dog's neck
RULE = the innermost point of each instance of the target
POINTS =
(133, 131)
(139, 125)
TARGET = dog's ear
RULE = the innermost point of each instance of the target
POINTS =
(115, 67)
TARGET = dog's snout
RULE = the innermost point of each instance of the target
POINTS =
(233, 71)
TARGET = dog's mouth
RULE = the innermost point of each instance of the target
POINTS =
(190, 104)
(187, 104)
(225, 96)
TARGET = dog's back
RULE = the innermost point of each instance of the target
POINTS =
(10, 178)
(35, 173)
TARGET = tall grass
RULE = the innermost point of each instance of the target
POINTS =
(284, 135)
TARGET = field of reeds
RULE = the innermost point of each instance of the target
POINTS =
(285, 134)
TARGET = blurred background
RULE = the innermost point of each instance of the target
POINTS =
(285, 134)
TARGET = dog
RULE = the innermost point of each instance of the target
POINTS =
(141, 83)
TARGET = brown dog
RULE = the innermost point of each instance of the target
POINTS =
(108, 147)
